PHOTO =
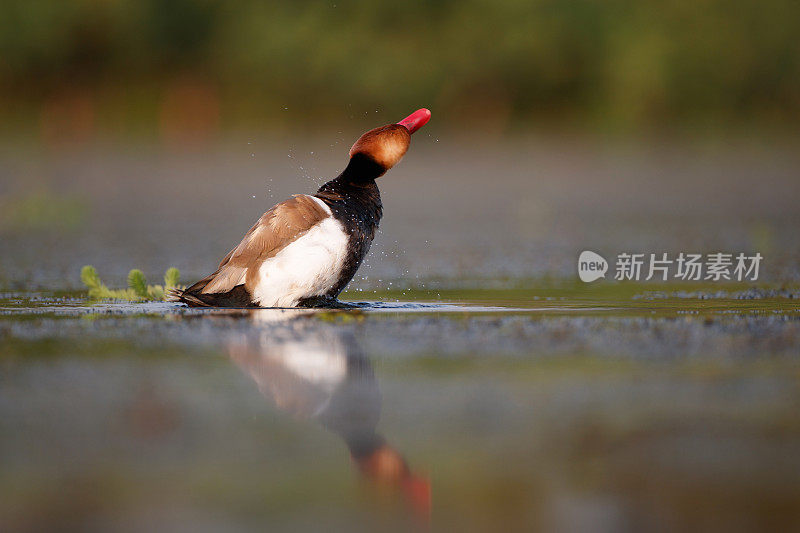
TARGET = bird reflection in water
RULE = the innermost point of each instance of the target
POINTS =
(321, 373)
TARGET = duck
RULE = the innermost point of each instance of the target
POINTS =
(305, 250)
(323, 375)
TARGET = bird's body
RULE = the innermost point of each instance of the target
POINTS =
(305, 250)
(325, 376)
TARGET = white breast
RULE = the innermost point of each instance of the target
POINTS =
(309, 266)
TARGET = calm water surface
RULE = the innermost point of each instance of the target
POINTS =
(483, 388)
(654, 412)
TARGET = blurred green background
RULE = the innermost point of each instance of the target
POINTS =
(191, 69)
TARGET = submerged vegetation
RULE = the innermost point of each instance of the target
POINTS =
(138, 290)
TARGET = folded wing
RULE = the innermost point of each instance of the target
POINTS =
(276, 229)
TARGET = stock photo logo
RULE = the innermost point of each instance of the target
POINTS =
(718, 266)
(591, 266)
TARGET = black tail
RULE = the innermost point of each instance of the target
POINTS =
(184, 296)
(194, 297)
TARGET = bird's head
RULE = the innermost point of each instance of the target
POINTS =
(384, 147)
(388, 471)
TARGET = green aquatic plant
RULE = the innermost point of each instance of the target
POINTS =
(137, 283)
(138, 290)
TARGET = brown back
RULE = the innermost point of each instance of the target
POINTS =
(276, 229)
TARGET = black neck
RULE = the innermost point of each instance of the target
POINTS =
(364, 444)
(356, 182)
(363, 168)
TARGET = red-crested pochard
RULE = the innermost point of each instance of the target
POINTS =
(305, 250)
(324, 375)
